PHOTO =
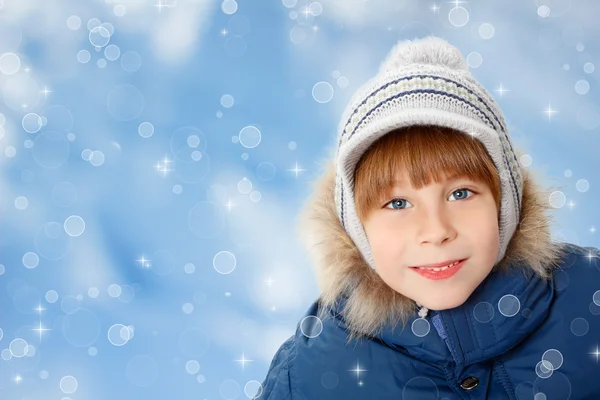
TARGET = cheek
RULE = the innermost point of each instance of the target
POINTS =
(487, 236)
(379, 243)
(486, 222)
(387, 253)
(384, 238)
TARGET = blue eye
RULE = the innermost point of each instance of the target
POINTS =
(462, 190)
(396, 201)
(399, 202)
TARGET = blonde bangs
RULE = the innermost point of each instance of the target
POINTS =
(426, 153)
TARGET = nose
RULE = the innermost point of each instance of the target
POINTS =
(436, 227)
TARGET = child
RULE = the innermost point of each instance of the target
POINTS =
(438, 276)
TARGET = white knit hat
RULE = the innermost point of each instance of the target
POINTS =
(424, 82)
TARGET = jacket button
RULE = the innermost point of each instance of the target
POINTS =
(469, 383)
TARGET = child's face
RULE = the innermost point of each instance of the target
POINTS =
(436, 223)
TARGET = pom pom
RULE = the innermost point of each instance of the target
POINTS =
(429, 50)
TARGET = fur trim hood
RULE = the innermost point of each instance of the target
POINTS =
(369, 303)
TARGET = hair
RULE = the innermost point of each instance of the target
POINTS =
(426, 152)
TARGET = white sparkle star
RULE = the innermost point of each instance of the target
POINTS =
(160, 5)
(472, 133)
(144, 263)
(502, 90)
(591, 256)
(357, 370)
(457, 2)
(243, 361)
(596, 353)
(41, 329)
(592, 229)
(46, 91)
(163, 166)
(305, 11)
(296, 169)
(229, 204)
(270, 282)
(549, 111)
(435, 8)
(39, 309)
(571, 204)
(18, 378)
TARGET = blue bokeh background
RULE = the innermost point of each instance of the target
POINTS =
(154, 156)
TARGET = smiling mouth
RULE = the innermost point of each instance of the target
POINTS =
(439, 269)
(441, 273)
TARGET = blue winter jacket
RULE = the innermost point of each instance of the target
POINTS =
(531, 330)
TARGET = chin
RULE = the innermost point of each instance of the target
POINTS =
(444, 304)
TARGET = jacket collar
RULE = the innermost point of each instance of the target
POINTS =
(368, 308)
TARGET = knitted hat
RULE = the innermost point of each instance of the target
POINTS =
(424, 82)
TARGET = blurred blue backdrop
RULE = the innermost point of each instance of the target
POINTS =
(154, 155)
